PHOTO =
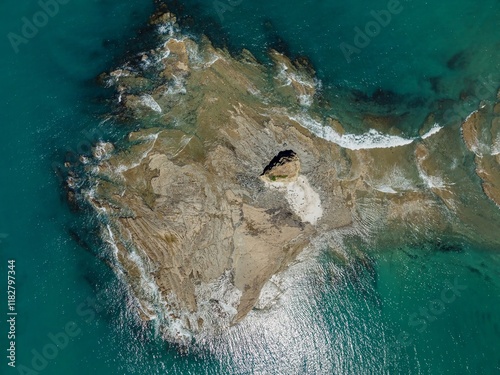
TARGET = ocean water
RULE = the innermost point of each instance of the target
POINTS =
(394, 314)
(422, 56)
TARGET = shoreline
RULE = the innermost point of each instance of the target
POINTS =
(190, 216)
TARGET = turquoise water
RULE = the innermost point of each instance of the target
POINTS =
(427, 53)
(335, 319)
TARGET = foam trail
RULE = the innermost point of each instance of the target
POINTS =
(370, 140)
(386, 189)
(470, 115)
(150, 137)
(434, 130)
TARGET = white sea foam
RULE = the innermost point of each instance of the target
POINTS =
(386, 189)
(283, 75)
(217, 302)
(285, 328)
(471, 114)
(434, 130)
(166, 53)
(371, 139)
(393, 182)
(270, 293)
(115, 75)
(194, 55)
(432, 182)
(149, 101)
(148, 286)
(102, 150)
(166, 29)
(146, 61)
(151, 297)
(89, 194)
(119, 73)
(110, 240)
(288, 77)
(212, 61)
(306, 100)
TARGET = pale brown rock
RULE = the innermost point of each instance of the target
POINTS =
(481, 133)
(285, 167)
(198, 224)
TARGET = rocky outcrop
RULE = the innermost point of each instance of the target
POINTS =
(229, 176)
(481, 134)
(284, 167)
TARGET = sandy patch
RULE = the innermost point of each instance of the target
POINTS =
(302, 198)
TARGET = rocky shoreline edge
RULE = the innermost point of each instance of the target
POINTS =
(232, 173)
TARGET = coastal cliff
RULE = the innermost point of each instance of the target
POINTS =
(232, 172)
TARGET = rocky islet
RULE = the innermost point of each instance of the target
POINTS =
(224, 183)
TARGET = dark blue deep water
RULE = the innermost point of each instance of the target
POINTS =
(397, 315)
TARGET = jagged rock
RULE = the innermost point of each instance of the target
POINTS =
(102, 150)
(284, 167)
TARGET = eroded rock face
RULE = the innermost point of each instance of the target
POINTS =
(227, 179)
(481, 134)
(285, 167)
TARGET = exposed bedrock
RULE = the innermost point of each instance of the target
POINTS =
(231, 173)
